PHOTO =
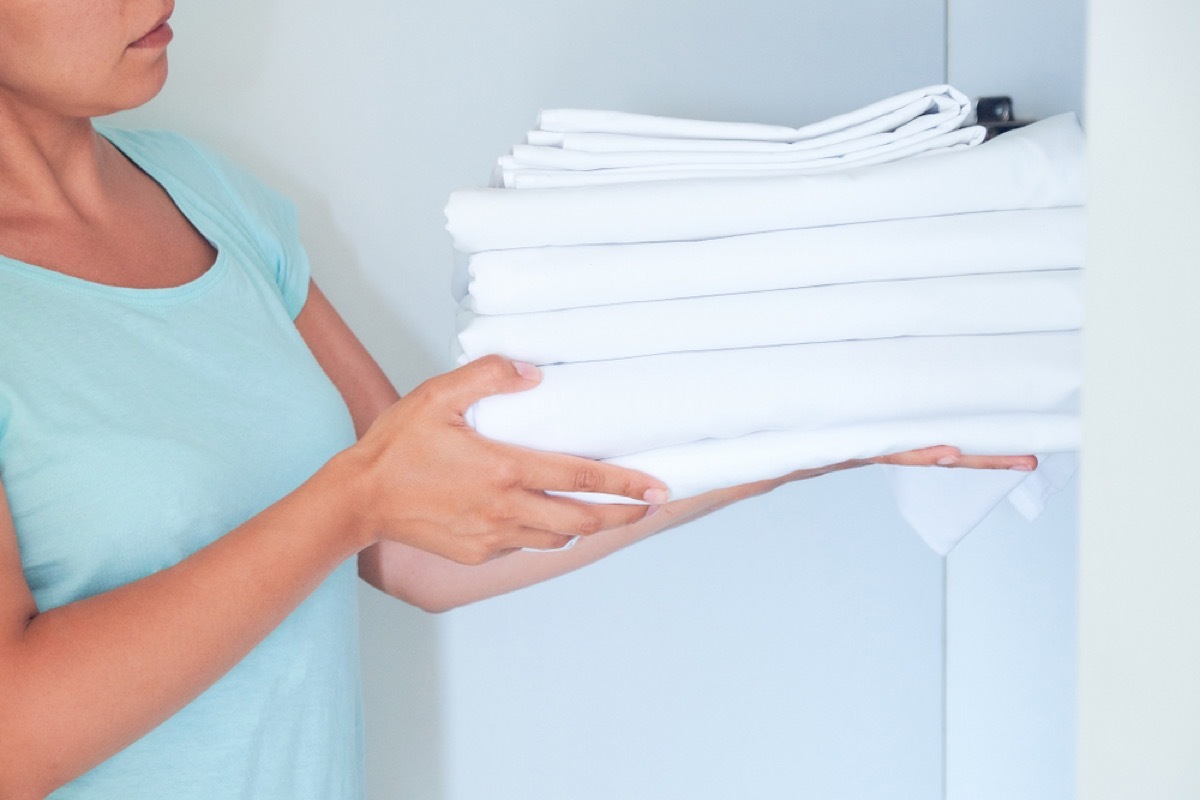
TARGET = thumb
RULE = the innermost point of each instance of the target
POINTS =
(463, 387)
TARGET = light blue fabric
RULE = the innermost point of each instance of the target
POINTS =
(137, 426)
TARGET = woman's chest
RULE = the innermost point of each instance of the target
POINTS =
(129, 441)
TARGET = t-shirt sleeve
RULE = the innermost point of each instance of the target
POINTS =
(272, 223)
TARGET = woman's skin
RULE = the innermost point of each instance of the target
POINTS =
(425, 503)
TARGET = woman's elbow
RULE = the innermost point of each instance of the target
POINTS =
(386, 572)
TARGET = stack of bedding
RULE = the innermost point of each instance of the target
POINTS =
(717, 330)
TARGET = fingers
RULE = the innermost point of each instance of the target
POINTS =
(463, 387)
(937, 456)
(1019, 463)
(565, 516)
(946, 456)
(558, 473)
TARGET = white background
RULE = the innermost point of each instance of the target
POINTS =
(802, 645)
(1139, 595)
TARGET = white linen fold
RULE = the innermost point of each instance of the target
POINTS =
(973, 304)
(696, 467)
(547, 278)
(603, 409)
(624, 143)
(515, 176)
(883, 115)
(524, 155)
(1039, 166)
(943, 505)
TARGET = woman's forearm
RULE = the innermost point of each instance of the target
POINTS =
(436, 584)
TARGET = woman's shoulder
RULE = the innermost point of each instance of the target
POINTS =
(186, 166)
(167, 155)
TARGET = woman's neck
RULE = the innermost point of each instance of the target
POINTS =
(51, 165)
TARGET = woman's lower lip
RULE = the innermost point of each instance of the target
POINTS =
(159, 37)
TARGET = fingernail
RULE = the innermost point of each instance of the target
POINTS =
(1023, 468)
(527, 371)
(655, 497)
(651, 511)
(946, 461)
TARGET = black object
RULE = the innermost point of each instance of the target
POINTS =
(996, 114)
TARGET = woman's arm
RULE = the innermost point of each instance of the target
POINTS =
(437, 584)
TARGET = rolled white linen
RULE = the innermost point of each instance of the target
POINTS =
(603, 409)
(514, 176)
(546, 278)
(1039, 166)
(884, 115)
(975, 304)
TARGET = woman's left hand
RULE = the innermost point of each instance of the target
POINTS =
(944, 456)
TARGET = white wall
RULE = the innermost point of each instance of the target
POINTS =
(1140, 548)
(1030, 50)
(789, 647)
(1011, 586)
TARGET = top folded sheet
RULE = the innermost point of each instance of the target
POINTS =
(549, 167)
(889, 114)
(1039, 166)
(589, 147)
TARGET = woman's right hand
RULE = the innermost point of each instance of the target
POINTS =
(422, 476)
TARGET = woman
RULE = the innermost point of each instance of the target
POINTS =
(193, 446)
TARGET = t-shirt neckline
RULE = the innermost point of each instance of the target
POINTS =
(144, 295)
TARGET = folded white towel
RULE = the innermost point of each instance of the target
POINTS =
(976, 304)
(884, 115)
(1039, 166)
(545, 278)
(515, 175)
(603, 409)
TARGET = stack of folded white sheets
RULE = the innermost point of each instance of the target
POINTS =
(717, 330)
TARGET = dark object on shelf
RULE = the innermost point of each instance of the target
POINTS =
(996, 114)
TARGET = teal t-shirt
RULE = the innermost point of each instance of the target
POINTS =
(139, 425)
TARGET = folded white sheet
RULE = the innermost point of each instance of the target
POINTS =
(699, 467)
(623, 143)
(844, 152)
(977, 304)
(603, 409)
(1039, 166)
(884, 115)
(545, 278)
(514, 175)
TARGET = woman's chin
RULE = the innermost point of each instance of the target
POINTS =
(136, 92)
